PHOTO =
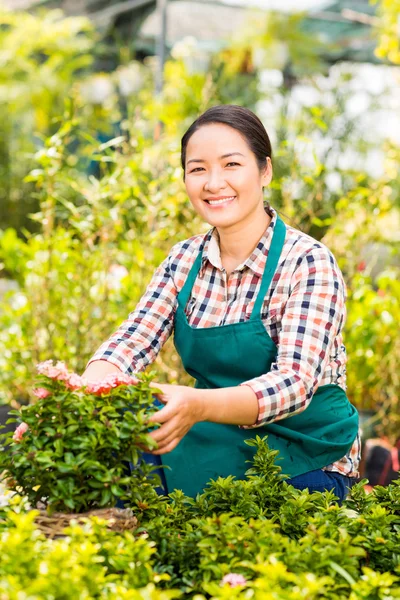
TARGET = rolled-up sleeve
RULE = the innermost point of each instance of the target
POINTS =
(313, 316)
(141, 336)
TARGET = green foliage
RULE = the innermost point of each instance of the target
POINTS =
(277, 40)
(101, 241)
(299, 545)
(42, 59)
(387, 28)
(373, 343)
(74, 455)
(91, 562)
(248, 526)
(126, 217)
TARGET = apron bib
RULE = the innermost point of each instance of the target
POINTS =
(228, 355)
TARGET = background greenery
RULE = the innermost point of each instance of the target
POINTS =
(92, 198)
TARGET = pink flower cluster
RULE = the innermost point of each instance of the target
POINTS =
(19, 432)
(233, 579)
(75, 382)
(72, 381)
(58, 371)
(109, 383)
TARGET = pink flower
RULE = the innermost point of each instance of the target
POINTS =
(42, 393)
(109, 383)
(75, 382)
(58, 371)
(117, 379)
(43, 367)
(19, 432)
(233, 579)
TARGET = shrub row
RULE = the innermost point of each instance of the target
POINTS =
(258, 538)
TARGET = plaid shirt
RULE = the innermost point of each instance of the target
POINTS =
(303, 312)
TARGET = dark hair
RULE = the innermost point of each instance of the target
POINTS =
(239, 118)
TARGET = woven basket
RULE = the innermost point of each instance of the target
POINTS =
(119, 519)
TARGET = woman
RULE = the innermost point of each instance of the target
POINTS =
(257, 309)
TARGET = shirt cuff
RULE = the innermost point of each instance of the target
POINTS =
(259, 391)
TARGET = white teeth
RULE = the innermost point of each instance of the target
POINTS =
(222, 201)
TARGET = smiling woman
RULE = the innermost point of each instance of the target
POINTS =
(257, 310)
(215, 182)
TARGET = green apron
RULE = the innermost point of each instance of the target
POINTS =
(227, 355)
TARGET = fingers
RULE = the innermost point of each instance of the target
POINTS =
(159, 435)
(161, 388)
(167, 435)
(164, 414)
(168, 448)
(158, 386)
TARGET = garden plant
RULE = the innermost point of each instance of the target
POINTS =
(257, 538)
(79, 446)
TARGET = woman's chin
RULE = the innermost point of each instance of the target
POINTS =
(223, 216)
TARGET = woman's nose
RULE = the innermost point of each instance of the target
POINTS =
(215, 182)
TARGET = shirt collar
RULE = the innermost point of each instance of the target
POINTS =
(255, 262)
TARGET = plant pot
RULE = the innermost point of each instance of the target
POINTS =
(118, 519)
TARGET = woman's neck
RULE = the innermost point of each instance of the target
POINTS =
(238, 242)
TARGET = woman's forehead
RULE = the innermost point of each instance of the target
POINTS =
(216, 139)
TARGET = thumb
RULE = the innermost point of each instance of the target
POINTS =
(159, 392)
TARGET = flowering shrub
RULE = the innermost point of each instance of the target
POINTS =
(74, 445)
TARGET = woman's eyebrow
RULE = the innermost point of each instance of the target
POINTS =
(199, 160)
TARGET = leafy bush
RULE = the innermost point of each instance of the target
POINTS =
(299, 545)
(72, 449)
(373, 344)
(91, 562)
(43, 58)
(262, 526)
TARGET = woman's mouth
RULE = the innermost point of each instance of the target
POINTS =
(221, 201)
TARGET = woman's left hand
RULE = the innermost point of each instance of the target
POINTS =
(183, 408)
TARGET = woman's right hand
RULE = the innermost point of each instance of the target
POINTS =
(98, 369)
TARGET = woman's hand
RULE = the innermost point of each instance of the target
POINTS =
(183, 408)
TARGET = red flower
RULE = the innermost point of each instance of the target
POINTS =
(361, 266)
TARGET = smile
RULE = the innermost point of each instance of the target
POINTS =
(221, 201)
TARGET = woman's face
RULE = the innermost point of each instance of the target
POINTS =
(222, 178)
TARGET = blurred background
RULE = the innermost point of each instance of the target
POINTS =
(94, 97)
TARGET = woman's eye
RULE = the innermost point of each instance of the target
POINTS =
(235, 164)
(196, 169)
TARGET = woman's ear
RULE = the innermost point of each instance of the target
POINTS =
(267, 172)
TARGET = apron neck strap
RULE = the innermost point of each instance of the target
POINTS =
(275, 249)
(184, 294)
(274, 253)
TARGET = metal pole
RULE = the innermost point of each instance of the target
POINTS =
(161, 44)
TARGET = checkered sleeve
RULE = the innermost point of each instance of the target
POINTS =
(141, 336)
(313, 316)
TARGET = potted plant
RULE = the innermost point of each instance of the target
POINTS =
(71, 452)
